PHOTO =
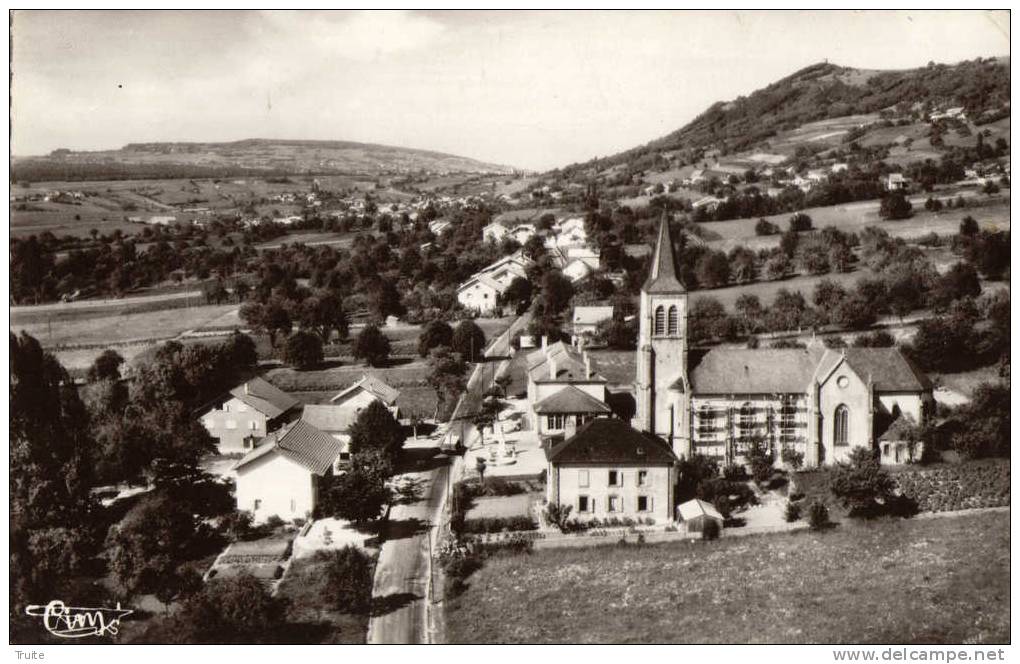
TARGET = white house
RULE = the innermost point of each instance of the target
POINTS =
(553, 368)
(364, 392)
(282, 475)
(247, 413)
(896, 182)
(494, 232)
(480, 293)
(439, 226)
(587, 318)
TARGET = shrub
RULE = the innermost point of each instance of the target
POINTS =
(800, 222)
(792, 512)
(237, 525)
(498, 524)
(735, 473)
(793, 458)
(348, 586)
(557, 515)
(861, 483)
(818, 515)
(710, 531)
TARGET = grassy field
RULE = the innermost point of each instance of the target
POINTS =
(943, 580)
(854, 217)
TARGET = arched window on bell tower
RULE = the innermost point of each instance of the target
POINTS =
(672, 324)
(659, 328)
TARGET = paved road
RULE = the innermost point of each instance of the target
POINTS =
(401, 589)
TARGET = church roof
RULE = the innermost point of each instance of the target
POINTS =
(609, 440)
(664, 277)
(889, 369)
(754, 371)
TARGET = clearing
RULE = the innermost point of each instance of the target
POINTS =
(887, 581)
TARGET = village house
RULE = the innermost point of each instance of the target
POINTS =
(609, 469)
(896, 182)
(282, 475)
(553, 368)
(494, 232)
(362, 393)
(247, 413)
(587, 318)
(482, 291)
(815, 402)
(439, 226)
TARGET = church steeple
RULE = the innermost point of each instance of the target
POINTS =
(664, 275)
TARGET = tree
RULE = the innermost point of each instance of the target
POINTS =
(693, 471)
(150, 542)
(777, 267)
(969, 227)
(828, 295)
(749, 312)
(556, 292)
(961, 280)
(617, 334)
(708, 319)
(106, 366)
(234, 610)
(469, 341)
(713, 269)
(372, 346)
(854, 313)
(861, 484)
(303, 350)
(800, 222)
(519, 293)
(349, 574)
(985, 423)
(765, 227)
(990, 253)
(324, 313)
(436, 333)
(360, 494)
(376, 429)
(52, 511)
(761, 458)
(895, 206)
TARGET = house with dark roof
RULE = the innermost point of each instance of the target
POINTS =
(609, 469)
(247, 413)
(553, 368)
(813, 403)
(370, 388)
(282, 475)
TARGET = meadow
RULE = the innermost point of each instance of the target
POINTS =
(926, 580)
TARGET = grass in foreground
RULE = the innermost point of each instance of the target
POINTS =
(942, 580)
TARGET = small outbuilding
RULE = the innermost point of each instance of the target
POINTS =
(694, 514)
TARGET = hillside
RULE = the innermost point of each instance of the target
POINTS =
(826, 92)
(246, 157)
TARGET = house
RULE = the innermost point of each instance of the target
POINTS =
(839, 168)
(523, 232)
(162, 220)
(815, 402)
(370, 388)
(553, 368)
(283, 475)
(567, 410)
(247, 413)
(694, 514)
(708, 202)
(334, 420)
(696, 176)
(896, 182)
(817, 175)
(439, 226)
(577, 270)
(480, 293)
(494, 232)
(587, 318)
(609, 469)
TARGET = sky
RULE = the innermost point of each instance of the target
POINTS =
(530, 89)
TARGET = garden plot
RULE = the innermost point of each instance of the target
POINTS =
(266, 559)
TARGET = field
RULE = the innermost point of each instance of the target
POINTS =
(940, 580)
(854, 217)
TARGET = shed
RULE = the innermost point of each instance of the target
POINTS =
(695, 513)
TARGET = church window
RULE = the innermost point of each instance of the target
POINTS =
(746, 421)
(660, 321)
(672, 326)
(841, 425)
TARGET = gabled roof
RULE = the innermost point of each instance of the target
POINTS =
(300, 442)
(263, 396)
(374, 386)
(663, 277)
(570, 399)
(898, 428)
(754, 371)
(695, 508)
(330, 418)
(890, 370)
(570, 365)
(592, 315)
(610, 440)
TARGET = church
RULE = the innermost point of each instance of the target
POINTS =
(815, 402)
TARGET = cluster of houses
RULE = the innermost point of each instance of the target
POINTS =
(815, 404)
(483, 291)
(287, 448)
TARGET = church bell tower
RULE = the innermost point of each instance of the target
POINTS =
(662, 389)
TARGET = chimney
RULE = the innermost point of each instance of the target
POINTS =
(543, 342)
(587, 366)
(569, 426)
(246, 389)
(552, 368)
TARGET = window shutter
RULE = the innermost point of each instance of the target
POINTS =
(651, 503)
(619, 477)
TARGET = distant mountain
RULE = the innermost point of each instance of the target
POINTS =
(826, 91)
(246, 157)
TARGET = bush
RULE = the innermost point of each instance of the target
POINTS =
(237, 525)
(861, 483)
(498, 524)
(765, 227)
(818, 515)
(792, 512)
(558, 515)
(710, 531)
(274, 522)
(349, 574)
(735, 473)
(793, 458)
(800, 222)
